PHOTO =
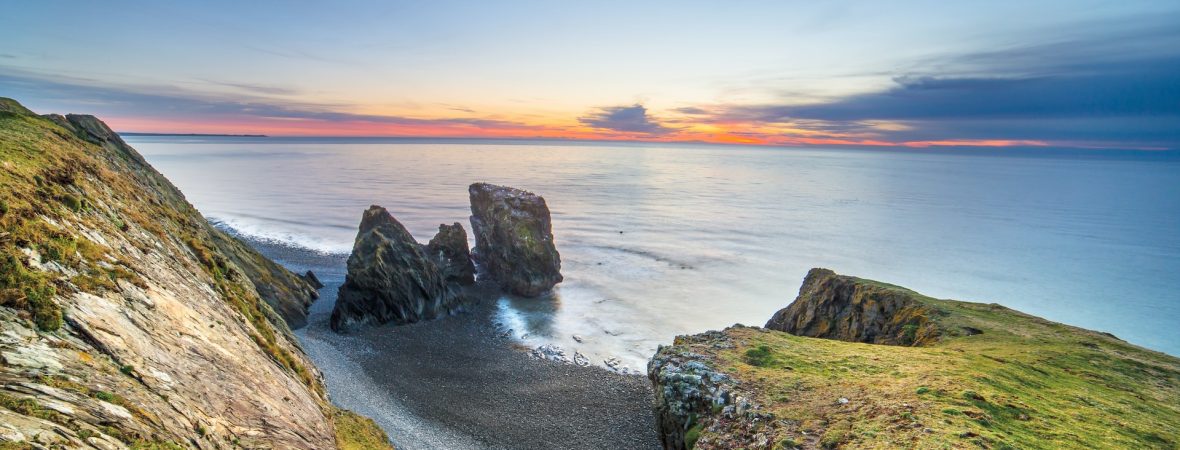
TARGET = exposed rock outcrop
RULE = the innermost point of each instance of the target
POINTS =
(693, 396)
(449, 248)
(847, 308)
(126, 319)
(391, 278)
(312, 280)
(514, 239)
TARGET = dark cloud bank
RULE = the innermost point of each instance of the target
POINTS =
(1116, 88)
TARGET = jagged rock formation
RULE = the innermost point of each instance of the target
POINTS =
(126, 320)
(288, 295)
(449, 249)
(391, 278)
(967, 375)
(514, 239)
(846, 308)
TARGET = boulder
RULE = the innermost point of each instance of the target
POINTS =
(449, 249)
(390, 278)
(514, 239)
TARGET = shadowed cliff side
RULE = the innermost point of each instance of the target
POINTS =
(126, 320)
(955, 375)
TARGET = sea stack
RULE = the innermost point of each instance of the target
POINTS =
(390, 278)
(449, 249)
(514, 239)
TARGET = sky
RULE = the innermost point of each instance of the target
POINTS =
(1073, 74)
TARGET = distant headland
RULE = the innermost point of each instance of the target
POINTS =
(123, 133)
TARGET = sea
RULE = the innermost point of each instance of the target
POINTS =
(658, 240)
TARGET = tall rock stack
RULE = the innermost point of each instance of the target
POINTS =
(514, 239)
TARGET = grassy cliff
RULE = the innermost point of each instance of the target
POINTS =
(126, 320)
(945, 374)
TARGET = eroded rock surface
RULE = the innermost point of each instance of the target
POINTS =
(847, 308)
(391, 278)
(514, 239)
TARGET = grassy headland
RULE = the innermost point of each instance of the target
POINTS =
(988, 377)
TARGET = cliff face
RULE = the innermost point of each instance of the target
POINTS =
(968, 375)
(126, 319)
(840, 307)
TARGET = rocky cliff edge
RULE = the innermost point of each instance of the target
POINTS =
(126, 320)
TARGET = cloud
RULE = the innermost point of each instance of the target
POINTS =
(624, 119)
(255, 88)
(1154, 91)
(692, 111)
(1117, 87)
(61, 94)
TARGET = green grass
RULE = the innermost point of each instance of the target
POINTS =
(692, 436)
(357, 432)
(1023, 383)
(759, 356)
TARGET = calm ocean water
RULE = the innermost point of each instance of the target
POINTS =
(664, 240)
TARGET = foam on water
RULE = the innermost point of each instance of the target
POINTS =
(268, 231)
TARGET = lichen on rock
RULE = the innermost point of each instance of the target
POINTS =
(693, 396)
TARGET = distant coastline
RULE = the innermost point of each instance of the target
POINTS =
(192, 135)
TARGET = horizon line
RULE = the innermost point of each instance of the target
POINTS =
(892, 146)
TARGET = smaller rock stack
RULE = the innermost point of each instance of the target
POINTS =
(449, 248)
(514, 239)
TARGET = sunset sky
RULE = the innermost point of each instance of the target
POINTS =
(1079, 74)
